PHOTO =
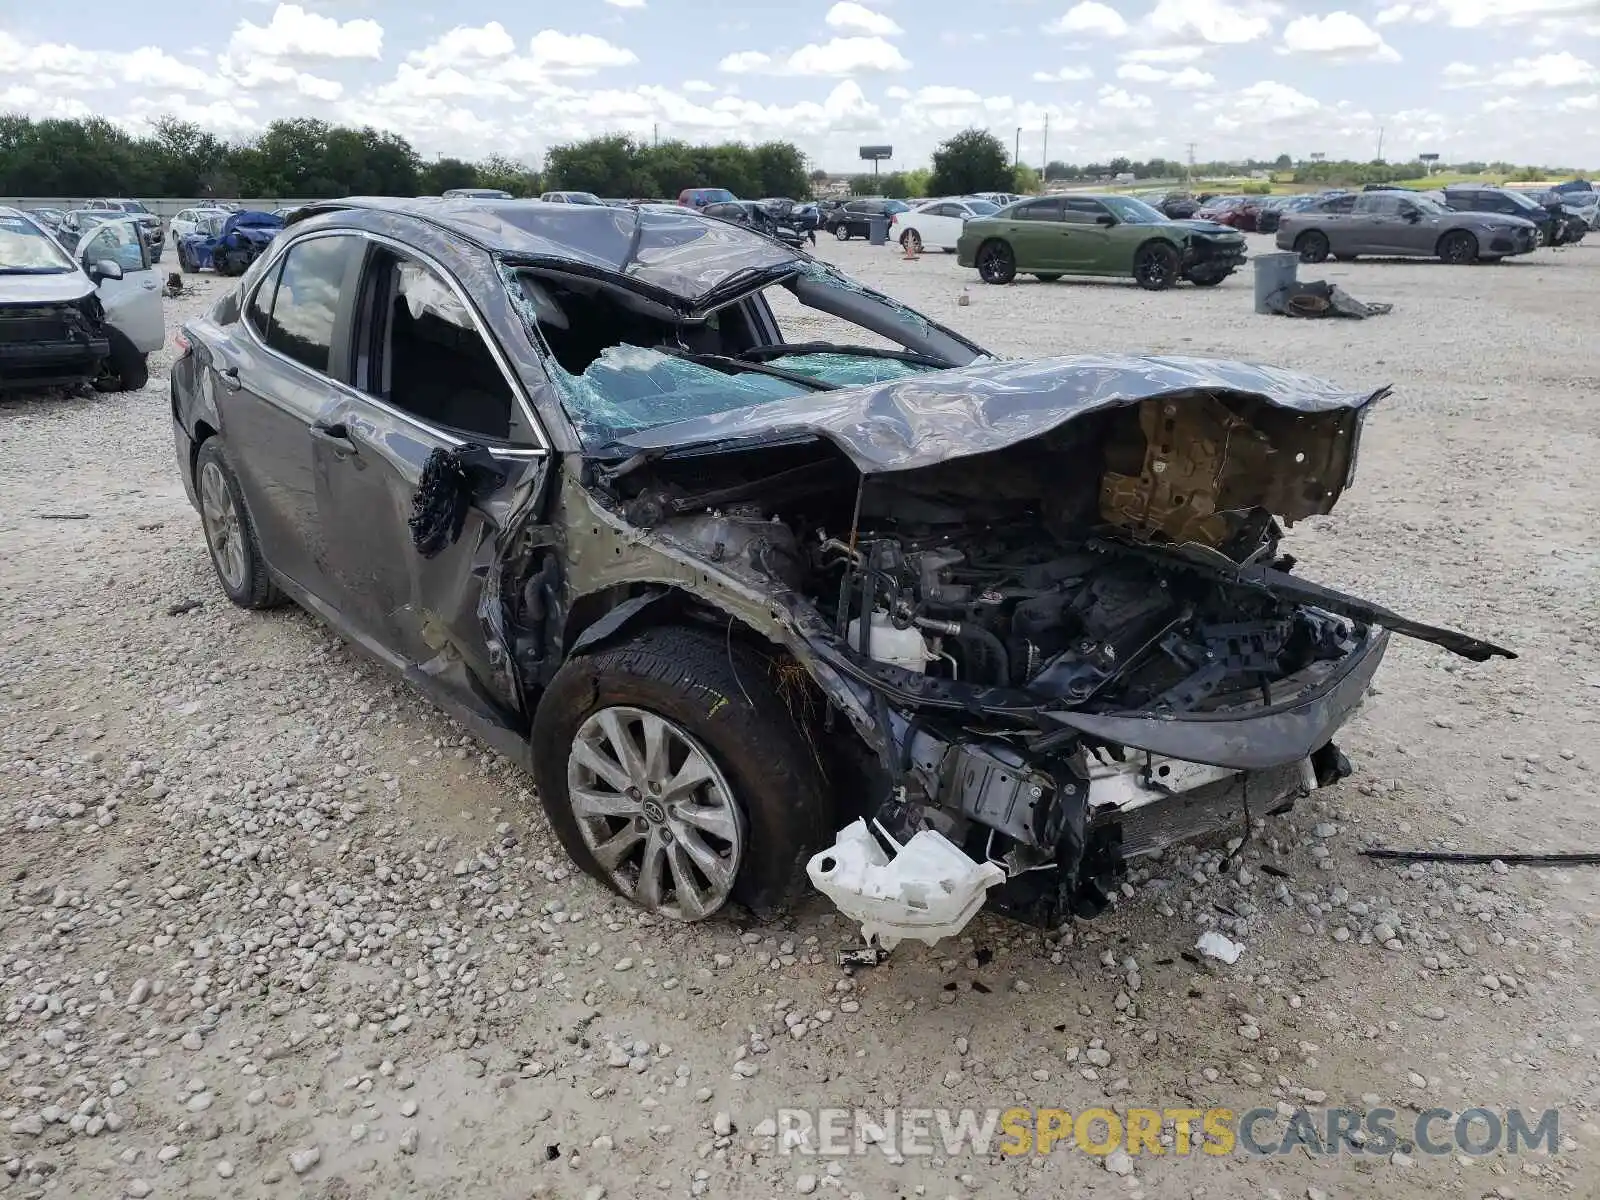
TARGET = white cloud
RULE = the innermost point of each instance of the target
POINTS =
(467, 44)
(1559, 70)
(858, 18)
(1115, 98)
(1209, 22)
(1187, 79)
(839, 56)
(153, 68)
(295, 33)
(1338, 36)
(626, 3)
(939, 96)
(1587, 103)
(745, 62)
(897, 93)
(576, 53)
(699, 85)
(1476, 14)
(1090, 17)
(1279, 98)
(1165, 54)
(1064, 75)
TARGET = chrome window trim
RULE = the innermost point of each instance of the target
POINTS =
(280, 252)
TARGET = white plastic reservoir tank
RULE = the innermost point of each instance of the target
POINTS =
(904, 648)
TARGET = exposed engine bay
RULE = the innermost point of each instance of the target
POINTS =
(1031, 625)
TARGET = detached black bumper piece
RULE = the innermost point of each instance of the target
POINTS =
(52, 363)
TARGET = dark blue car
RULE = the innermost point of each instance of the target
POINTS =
(228, 244)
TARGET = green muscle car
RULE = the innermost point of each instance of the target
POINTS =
(1052, 236)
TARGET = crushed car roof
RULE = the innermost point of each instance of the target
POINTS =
(674, 250)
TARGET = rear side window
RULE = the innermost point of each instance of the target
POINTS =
(259, 311)
(306, 306)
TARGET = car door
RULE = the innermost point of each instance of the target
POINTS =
(940, 225)
(1036, 234)
(1089, 247)
(274, 383)
(1378, 216)
(427, 380)
(1418, 231)
(133, 302)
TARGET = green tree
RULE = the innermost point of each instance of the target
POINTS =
(973, 160)
(866, 185)
(1024, 179)
(917, 181)
(446, 173)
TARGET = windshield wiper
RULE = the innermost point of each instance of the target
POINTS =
(783, 350)
(734, 366)
(35, 270)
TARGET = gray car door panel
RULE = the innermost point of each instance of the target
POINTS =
(435, 616)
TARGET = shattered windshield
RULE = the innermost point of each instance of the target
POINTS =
(623, 364)
(210, 226)
(25, 249)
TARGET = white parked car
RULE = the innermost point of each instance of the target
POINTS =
(571, 198)
(91, 315)
(187, 221)
(937, 224)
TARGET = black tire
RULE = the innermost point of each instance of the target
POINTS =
(1048, 278)
(1155, 266)
(1540, 238)
(995, 262)
(127, 368)
(254, 588)
(723, 694)
(1458, 248)
(1312, 247)
(842, 232)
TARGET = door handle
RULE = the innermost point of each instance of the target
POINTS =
(335, 435)
(230, 378)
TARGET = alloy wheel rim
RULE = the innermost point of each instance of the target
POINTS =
(220, 516)
(655, 812)
(1154, 269)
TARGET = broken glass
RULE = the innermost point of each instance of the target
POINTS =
(629, 388)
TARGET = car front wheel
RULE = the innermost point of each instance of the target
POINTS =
(672, 770)
(842, 232)
(1155, 267)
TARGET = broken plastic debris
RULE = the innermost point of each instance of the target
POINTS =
(1215, 945)
(928, 890)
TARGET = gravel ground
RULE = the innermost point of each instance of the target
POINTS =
(271, 926)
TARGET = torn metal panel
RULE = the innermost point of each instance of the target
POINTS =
(926, 420)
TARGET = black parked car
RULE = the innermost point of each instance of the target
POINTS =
(1553, 226)
(1180, 206)
(853, 218)
(757, 216)
(725, 594)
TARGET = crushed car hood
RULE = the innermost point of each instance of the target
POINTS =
(1212, 227)
(62, 288)
(931, 418)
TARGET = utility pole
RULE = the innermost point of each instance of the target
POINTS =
(1016, 150)
(1190, 178)
(655, 133)
(1044, 154)
(1380, 143)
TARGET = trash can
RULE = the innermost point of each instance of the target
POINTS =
(1274, 273)
(877, 230)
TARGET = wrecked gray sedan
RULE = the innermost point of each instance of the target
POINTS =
(766, 577)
